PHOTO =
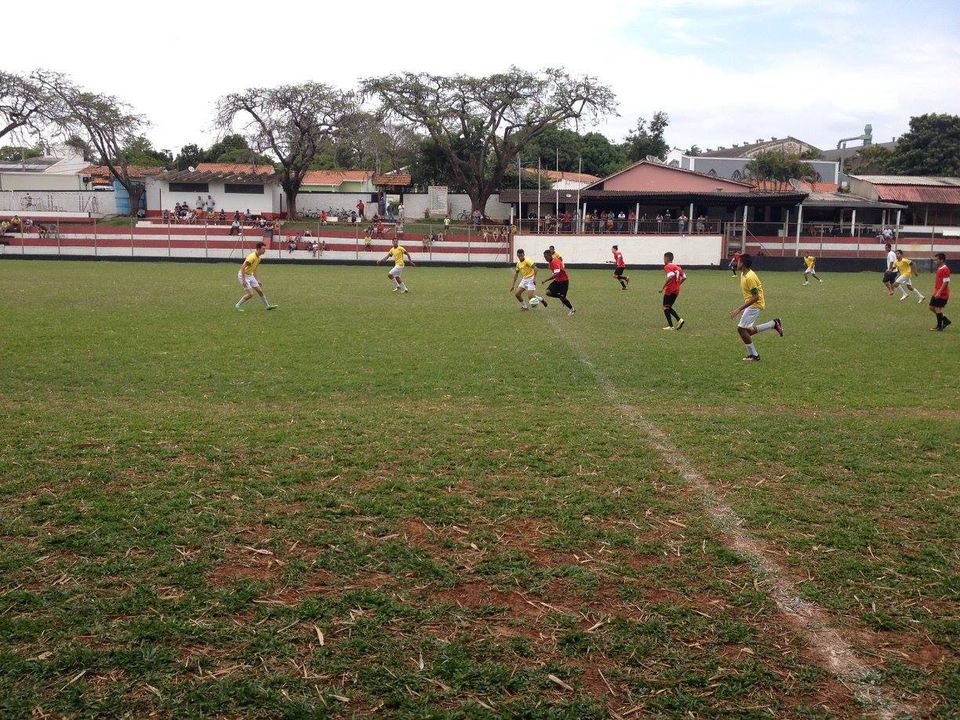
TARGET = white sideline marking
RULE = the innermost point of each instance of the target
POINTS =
(810, 621)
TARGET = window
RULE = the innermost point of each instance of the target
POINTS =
(244, 189)
(189, 187)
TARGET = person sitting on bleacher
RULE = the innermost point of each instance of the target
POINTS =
(222, 217)
(15, 224)
(235, 226)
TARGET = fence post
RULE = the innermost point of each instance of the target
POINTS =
(58, 238)
(131, 239)
(94, 238)
(206, 251)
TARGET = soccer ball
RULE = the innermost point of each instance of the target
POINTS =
(534, 302)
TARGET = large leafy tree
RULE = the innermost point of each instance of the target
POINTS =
(778, 169)
(646, 139)
(24, 103)
(479, 124)
(290, 123)
(930, 147)
(107, 124)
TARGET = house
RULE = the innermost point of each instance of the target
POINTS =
(930, 202)
(258, 192)
(735, 167)
(649, 189)
(788, 146)
(339, 181)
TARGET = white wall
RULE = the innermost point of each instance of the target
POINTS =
(637, 250)
(415, 203)
(95, 203)
(40, 181)
(326, 201)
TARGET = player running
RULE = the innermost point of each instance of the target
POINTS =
(671, 289)
(905, 268)
(397, 253)
(559, 280)
(752, 305)
(810, 261)
(620, 268)
(247, 277)
(890, 274)
(526, 270)
(941, 291)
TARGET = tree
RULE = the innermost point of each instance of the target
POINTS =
(15, 153)
(138, 150)
(23, 103)
(644, 140)
(694, 151)
(189, 156)
(109, 125)
(290, 123)
(930, 147)
(602, 157)
(773, 166)
(480, 124)
(870, 160)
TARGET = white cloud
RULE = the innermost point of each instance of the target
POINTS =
(173, 61)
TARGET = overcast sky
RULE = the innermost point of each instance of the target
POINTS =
(725, 71)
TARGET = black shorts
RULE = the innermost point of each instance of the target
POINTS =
(558, 288)
(618, 272)
(889, 276)
(938, 302)
(669, 300)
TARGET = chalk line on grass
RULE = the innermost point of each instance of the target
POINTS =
(811, 622)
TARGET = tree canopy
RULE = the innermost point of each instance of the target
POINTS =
(107, 124)
(479, 124)
(930, 147)
(647, 139)
(289, 123)
(772, 166)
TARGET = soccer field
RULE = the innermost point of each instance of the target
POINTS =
(367, 504)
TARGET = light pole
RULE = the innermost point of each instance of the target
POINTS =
(867, 138)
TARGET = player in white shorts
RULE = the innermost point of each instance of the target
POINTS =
(247, 276)
(526, 270)
(397, 253)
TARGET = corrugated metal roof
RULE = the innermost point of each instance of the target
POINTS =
(909, 180)
(920, 194)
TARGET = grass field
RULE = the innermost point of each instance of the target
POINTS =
(436, 506)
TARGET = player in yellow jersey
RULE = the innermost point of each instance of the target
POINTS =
(526, 270)
(397, 253)
(753, 303)
(904, 278)
(810, 261)
(247, 276)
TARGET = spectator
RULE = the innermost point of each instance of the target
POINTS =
(323, 247)
(367, 240)
(246, 215)
(199, 205)
(398, 230)
(236, 216)
(621, 221)
(235, 225)
(659, 223)
(682, 223)
(400, 212)
(323, 217)
(701, 223)
(360, 207)
(222, 217)
(353, 217)
(211, 203)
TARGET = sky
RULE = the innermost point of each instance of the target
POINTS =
(725, 71)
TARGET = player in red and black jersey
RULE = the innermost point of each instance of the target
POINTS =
(671, 289)
(620, 267)
(559, 280)
(941, 291)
